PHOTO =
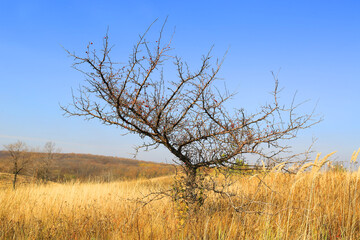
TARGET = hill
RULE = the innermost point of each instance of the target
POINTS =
(70, 166)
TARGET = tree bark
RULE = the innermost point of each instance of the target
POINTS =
(14, 181)
(193, 187)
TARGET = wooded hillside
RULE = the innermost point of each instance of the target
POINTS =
(71, 166)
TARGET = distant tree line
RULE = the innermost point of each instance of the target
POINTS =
(48, 164)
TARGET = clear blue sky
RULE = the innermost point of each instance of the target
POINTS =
(316, 44)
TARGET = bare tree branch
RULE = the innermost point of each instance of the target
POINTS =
(186, 115)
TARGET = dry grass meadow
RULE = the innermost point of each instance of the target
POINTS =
(315, 204)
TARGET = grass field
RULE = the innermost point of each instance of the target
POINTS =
(310, 205)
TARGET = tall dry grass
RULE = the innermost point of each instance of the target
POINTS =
(310, 205)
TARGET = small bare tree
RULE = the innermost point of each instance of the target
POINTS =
(20, 158)
(46, 161)
(186, 114)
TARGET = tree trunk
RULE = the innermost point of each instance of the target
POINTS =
(193, 185)
(14, 181)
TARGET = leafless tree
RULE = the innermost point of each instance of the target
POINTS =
(20, 158)
(46, 161)
(186, 115)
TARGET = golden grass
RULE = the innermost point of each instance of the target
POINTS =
(312, 205)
